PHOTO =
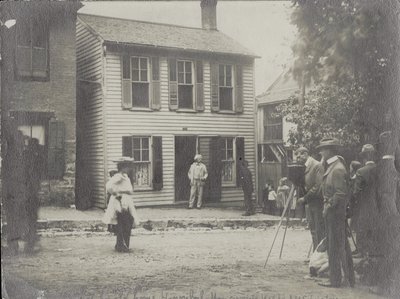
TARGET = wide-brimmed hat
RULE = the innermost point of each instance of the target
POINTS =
(124, 160)
(367, 148)
(328, 143)
(198, 156)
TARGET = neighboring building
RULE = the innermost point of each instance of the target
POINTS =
(273, 150)
(40, 96)
(162, 93)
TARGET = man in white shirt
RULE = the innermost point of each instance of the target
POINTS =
(197, 175)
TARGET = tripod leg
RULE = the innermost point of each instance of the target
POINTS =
(309, 250)
(284, 234)
(279, 225)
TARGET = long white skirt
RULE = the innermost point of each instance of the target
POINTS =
(116, 206)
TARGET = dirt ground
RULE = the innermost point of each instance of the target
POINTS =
(175, 265)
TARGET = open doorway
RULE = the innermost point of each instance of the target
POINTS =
(185, 149)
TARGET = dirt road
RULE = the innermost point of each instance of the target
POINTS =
(175, 265)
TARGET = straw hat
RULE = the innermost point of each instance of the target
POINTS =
(328, 143)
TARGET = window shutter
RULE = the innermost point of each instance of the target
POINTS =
(126, 82)
(157, 163)
(199, 86)
(155, 83)
(173, 85)
(214, 87)
(56, 150)
(127, 146)
(239, 89)
(239, 157)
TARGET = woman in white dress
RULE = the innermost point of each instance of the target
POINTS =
(121, 209)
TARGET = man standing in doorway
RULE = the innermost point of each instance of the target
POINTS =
(197, 175)
(313, 199)
(246, 181)
(335, 194)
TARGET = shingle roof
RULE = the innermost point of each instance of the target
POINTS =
(281, 90)
(116, 30)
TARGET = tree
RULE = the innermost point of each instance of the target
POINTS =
(357, 41)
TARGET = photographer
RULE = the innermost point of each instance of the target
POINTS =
(312, 197)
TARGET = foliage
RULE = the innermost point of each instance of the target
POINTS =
(328, 111)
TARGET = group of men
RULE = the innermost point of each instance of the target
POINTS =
(331, 197)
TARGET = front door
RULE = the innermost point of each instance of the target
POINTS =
(185, 150)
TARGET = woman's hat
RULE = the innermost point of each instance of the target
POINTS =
(124, 160)
(328, 143)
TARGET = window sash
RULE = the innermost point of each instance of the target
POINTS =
(140, 70)
(185, 72)
(228, 160)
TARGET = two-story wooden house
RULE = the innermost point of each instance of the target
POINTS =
(273, 150)
(39, 86)
(162, 93)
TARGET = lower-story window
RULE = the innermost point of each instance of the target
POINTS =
(147, 154)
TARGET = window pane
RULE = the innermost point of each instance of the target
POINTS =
(135, 63)
(39, 59)
(185, 96)
(136, 155)
(143, 63)
(135, 75)
(142, 174)
(145, 155)
(180, 66)
(229, 143)
(188, 67)
(143, 76)
(227, 171)
(189, 78)
(228, 81)
(140, 95)
(136, 143)
(181, 78)
(145, 143)
(225, 99)
(229, 154)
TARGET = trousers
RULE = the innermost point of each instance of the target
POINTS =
(248, 204)
(316, 223)
(196, 189)
(339, 252)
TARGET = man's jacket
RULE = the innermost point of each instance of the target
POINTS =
(201, 170)
(313, 178)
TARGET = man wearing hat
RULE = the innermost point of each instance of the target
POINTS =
(312, 198)
(197, 175)
(365, 189)
(335, 193)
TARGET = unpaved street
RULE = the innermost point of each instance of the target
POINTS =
(222, 264)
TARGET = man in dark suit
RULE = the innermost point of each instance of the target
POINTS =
(312, 198)
(246, 181)
(365, 191)
(335, 193)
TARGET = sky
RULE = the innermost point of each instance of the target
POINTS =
(261, 26)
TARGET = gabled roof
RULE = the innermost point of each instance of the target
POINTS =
(284, 87)
(114, 30)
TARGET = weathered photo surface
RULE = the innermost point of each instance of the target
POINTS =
(200, 149)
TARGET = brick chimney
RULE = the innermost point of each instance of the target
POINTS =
(209, 14)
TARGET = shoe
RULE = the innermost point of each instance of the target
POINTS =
(327, 285)
(199, 208)
(248, 214)
(189, 208)
(354, 252)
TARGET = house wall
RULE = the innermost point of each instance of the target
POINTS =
(58, 94)
(166, 123)
(90, 119)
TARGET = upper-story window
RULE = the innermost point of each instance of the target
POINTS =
(185, 85)
(272, 124)
(32, 41)
(140, 82)
(225, 87)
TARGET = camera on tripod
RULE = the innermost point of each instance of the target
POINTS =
(296, 174)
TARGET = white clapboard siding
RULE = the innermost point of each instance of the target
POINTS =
(89, 53)
(166, 123)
